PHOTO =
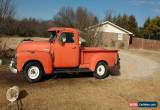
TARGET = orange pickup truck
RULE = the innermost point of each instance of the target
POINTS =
(62, 53)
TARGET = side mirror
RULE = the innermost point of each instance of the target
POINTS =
(63, 39)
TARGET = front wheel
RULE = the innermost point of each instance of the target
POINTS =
(33, 72)
(101, 71)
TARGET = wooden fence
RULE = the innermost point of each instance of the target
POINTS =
(138, 43)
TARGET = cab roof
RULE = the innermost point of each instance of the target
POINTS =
(61, 29)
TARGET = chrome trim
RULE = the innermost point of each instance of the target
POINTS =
(12, 66)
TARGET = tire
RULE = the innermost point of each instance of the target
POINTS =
(33, 72)
(101, 71)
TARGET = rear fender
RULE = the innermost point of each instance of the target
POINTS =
(44, 58)
(109, 59)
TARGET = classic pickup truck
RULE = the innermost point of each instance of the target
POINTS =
(62, 53)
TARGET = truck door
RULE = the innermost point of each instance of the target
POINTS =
(66, 51)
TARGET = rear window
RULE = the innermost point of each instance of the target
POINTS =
(69, 37)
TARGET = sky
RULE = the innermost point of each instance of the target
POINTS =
(46, 9)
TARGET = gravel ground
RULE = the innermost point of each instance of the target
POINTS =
(139, 81)
(137, 66)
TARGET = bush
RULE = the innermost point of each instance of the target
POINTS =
(4, 52)
(25, 27)
(121, 46)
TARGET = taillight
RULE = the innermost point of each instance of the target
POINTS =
(117, 59)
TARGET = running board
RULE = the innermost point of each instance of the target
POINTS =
(72, 70)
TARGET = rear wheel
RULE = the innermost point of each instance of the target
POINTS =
(101, 71)
(33, 72)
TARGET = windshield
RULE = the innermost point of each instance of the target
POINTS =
(53, 36)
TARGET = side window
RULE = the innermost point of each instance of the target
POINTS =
(53, 36)
(69, 37)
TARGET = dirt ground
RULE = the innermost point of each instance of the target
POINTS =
(139, 81)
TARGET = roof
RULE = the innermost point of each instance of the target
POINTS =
(61, 28)
(67, 29)
(107, 22)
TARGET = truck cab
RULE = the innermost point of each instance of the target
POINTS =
(62, 53)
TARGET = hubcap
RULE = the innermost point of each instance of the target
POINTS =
(101, 70)
(33, 72)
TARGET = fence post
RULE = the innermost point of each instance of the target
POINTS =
(142, 43)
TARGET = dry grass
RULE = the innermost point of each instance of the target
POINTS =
(4, 68)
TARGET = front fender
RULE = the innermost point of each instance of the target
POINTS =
(44, 58)
(109, 59)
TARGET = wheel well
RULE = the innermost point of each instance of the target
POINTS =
(102, 61)
(32, 61)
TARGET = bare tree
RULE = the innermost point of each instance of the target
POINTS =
(93, 36)
(7, 9)
(65, 17)
(109, 15)
(84, 19)
(81, 18)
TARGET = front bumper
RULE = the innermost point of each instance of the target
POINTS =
(13, 66)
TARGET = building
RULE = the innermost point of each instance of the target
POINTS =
(113, 35)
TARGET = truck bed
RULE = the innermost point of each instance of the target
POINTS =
(94, 49)
(88, 54)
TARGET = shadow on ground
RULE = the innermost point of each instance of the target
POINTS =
(76, 75)
(10, 78)
(68, 75)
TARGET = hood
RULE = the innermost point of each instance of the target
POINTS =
(34, 46)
